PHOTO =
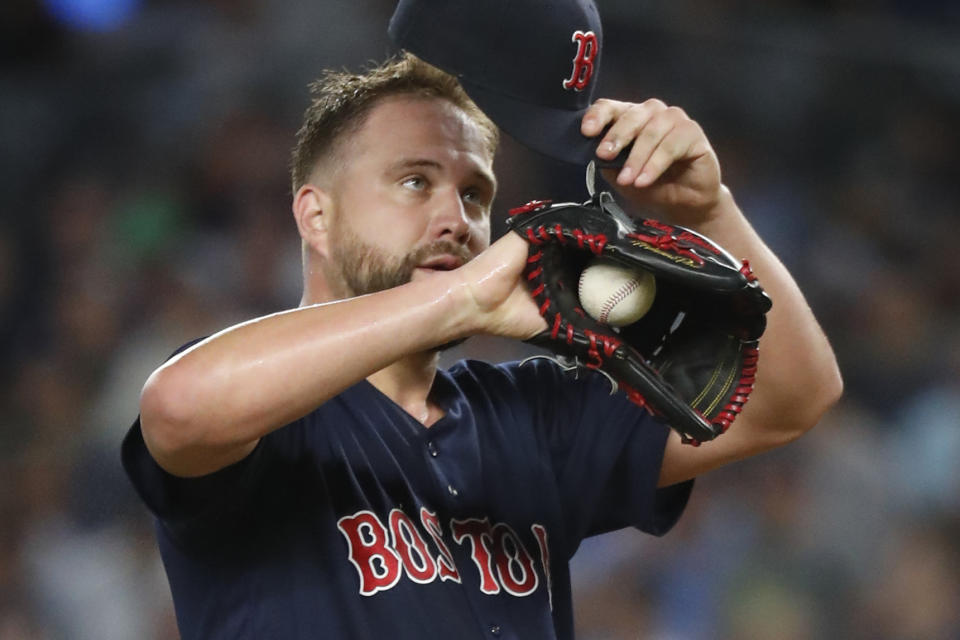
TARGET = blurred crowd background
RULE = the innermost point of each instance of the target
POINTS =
(145, 201)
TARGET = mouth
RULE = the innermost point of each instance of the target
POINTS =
(442, 263)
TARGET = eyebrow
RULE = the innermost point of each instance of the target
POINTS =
(413, 163)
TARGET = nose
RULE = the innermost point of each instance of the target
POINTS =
(450, 220)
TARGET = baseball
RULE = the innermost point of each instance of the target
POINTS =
(614, 294)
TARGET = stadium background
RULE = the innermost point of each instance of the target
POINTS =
(145, 201)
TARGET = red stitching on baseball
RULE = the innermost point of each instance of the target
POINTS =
(618, 296)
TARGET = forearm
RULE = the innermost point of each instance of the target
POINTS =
(672, 170)
(798, 378)
(209, 405)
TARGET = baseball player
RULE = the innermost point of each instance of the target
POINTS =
(315, 475)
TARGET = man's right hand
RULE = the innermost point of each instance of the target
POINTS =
(495, 289)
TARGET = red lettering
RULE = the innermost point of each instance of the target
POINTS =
(514, 564)
(408, 542)
(445, 565)
(479, 534)
(382, 554)
(368, 540)
(587, 50)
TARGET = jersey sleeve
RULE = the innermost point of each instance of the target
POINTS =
(186, 506)
(605, 452)
(191, 507)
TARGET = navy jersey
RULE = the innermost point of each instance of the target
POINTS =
(357, 522)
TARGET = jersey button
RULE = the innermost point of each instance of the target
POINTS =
(432, 448)
(495, 629)
(453, 490)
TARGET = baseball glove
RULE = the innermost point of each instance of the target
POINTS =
(691, 360)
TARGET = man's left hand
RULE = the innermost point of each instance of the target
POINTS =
(671, 169)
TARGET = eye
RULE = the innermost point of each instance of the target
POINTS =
(416, 183)
(475, 196)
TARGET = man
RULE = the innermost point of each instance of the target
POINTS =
(315, 475)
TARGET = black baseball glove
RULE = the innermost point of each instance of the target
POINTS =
(692, 358)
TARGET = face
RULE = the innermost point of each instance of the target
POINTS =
(411, 198)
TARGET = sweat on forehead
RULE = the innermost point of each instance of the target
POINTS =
(340, 102)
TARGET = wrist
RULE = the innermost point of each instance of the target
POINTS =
(724, 208)
(449, 323)
(457, 306)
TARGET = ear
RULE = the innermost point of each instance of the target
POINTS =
(313, 211)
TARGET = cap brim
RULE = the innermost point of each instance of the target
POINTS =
(553, 132)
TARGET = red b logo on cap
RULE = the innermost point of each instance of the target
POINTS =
(587, 51)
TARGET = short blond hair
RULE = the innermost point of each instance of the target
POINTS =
(340, 102)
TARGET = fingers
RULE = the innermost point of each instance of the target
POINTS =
(498, 291)
(600, 114)
(625, 120)
(660, 135)
(647, 129)
(683, 142)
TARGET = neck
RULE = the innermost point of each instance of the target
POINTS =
(408, 382)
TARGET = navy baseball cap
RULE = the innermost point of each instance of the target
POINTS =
(530, 65)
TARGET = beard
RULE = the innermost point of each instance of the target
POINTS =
(361, 268)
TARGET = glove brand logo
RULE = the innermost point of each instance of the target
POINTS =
(686, 236)
(646, 242)
(383, 552)
(587, 50)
